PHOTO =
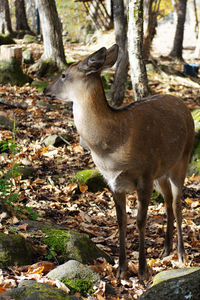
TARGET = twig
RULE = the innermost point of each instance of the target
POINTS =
(64, 140)
(13, 104)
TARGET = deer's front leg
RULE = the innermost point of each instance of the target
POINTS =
(120, 204)
(144, 191)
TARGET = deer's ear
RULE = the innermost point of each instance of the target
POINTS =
(111, 56)
(94, 62)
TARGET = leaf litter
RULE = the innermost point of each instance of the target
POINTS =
(51, 194)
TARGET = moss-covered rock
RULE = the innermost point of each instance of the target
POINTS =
(28, 38)
(31, 290)
(69, 244)
(6, 40)
(27, 57)
(173, 273)
(7, 123)
(92, 178)
(56, 140)
(11, 72)
(181, 287)
(40, 85)
(15, 250)
(77, 276)
(26, 171)
(194, 166)
(73, 270)
(46, 67)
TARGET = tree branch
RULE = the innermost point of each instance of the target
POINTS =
(13, 104)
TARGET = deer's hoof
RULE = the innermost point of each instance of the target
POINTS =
(145, 275)
(166, 251)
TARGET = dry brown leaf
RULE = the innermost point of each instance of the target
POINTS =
(40, 267)
(13, 220)
(23, 226)
(100, 293)
(2, 290)
(24, 235)
(37, 270)
(71, 187)
(83, 188)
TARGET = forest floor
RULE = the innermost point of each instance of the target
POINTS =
(51, 195)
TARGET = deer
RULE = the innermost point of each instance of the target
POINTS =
(135, 147)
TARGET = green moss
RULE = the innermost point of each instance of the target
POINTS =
(6, 40)
(56, 240)
(72, 245)
(36, 290)
(14, 250)
(157, 197)
(92, 178)
(40, 85)
(30, 39)
(11, 72)
(173, 273)
(82, 286)
(196, 117)
(47, 67)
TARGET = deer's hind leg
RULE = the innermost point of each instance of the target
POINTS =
(177, 176)
(166, 191)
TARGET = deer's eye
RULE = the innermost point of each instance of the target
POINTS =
(63, 76)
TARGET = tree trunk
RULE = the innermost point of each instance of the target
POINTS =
(53, 57)
(20, 14)
(153, 9)
(120, 25)
(178, 39)
(5, 21)
(197, 49)
(135, 49)
(193, 16)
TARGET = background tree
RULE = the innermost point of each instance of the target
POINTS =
(153, 11)
(178, 39)
(135, 49)
(5, 21)
(53, 57)
(20, 14)
(120, 25)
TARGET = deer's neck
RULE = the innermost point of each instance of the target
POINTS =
(92, 115)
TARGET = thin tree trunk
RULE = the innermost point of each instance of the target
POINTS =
(121, 70)
(20, 14)
(178, 39)
(5, 21)
(153, 9)
(197, 49)
(52, 34)
(135, 49)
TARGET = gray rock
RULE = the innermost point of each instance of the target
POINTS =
(15, 250)
(28, 38)
(31, 290)
(27, 57)
(56, 140)
(69, 244)
(92, 178)
(176, 288)
(11, 72)
(74, 270)
(169, 274)
(6, 123)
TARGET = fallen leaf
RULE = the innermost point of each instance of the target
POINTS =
(2, 290)
(23, 226)
(83, 188)
(31, 271)
(40, 267)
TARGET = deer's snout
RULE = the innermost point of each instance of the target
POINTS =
(48, 93)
